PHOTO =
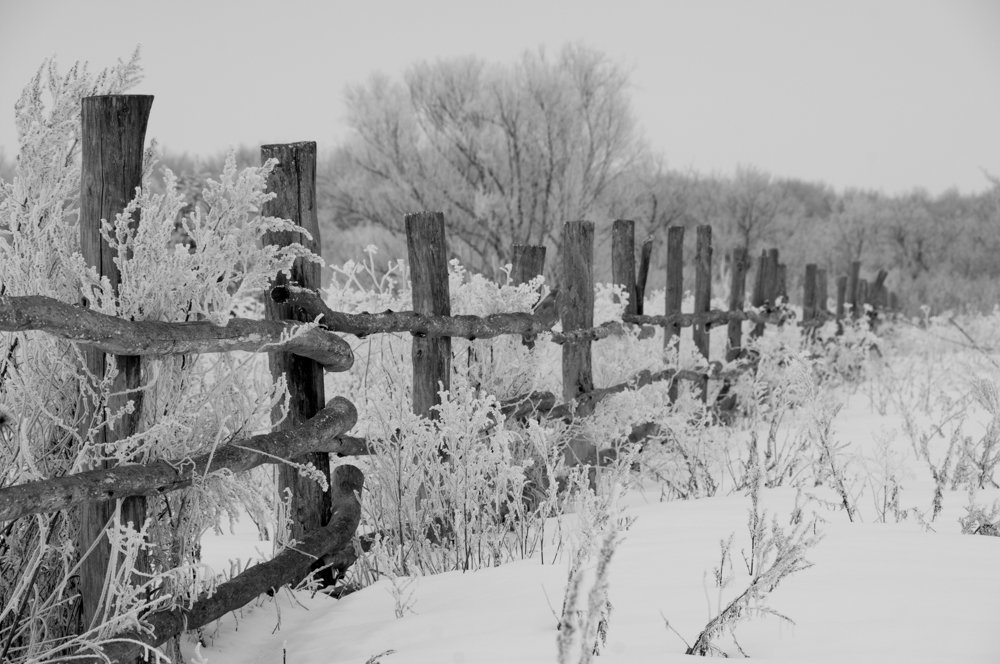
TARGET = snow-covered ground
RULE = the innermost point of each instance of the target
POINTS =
(895, 591)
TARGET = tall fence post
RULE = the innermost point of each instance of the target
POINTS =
(703, 295)
(862, 296)
(528, 263)
(853, 280)
(293, 181)
(623, 261)
(822, 294)
(427, 250)
(645, 257)
(737, 294)
(113, 133)
(774, 276)
(809, 293)
(675, 291)
(781, 283)
(759, 297)
(841, 297)
(576, 305)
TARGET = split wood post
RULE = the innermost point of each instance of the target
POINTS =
(809, 293)
(841, 296)
(576, 306)
(853, 279)
(113, 133)
(623, 260)
(675, 290)
(293, 181)
(759, 298)
(528, 263)
(781, 283)
(703, 295)
(822, 294)
(427, 250)
(737, 294)
(645, 257)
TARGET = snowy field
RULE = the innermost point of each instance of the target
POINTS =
(891, 580)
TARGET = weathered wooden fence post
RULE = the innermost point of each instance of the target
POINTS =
(576, 306)
(822, 294)
(809, 294)
(853, 280)
(841, 297)
(781, 283)
(528, 263)
(703, 296)
(737, 294)
(862, 295)
(114, 130)
(645, 256)
(623, 260)
(293, 181)
(759, 297)
(427, 250)
(675, 291)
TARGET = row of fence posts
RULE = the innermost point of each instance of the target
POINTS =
(105, 193)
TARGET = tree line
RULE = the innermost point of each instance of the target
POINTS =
(509, 151)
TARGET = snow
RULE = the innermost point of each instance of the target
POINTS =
(877, 592)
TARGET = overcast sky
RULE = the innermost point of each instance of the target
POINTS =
(886, 94)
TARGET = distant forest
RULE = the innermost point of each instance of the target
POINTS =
(508, 152)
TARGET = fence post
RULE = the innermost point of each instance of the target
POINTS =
(427, 250)
(293, 181)
(841, 297)
(759, 296)
(737, 293)
(862, 295)
(809, 294)
(781, 283)
(853, 278)
(822, 294)
(703, 295)
(675, 290)
(528, 263)
(645, 256)
(113, 133)
(576, 305)
(623, 260)
(774, 274)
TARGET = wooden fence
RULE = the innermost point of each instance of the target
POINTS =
(324, 522)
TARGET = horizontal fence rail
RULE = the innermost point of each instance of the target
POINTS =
(322, 432)
(111, 334)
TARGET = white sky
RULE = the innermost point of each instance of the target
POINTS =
(889, 94)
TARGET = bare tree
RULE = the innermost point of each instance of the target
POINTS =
(750, 204)
(506, 152)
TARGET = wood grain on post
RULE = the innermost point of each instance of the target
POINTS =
(841, 296)
(822, 292)
(293, 180)
(737, 294)
(645, 257)
(528, 263)
(427, 250)
(576, 305)
(703, 294)
(809, 293)
(675, 281)
(623, 260)
(114, 131)
(853, 280)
